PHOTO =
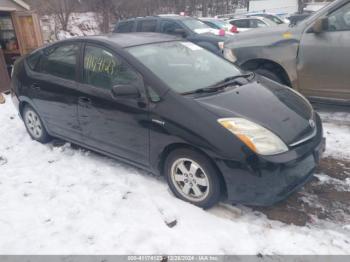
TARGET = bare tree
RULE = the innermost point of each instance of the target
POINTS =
(62, 9)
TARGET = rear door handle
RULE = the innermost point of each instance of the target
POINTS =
(84, 100)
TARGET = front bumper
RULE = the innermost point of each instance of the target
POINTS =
(262, 181)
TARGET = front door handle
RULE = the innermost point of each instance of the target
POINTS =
(84, 100)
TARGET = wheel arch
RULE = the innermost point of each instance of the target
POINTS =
(23, 102)
(254, 64)
(171, 147)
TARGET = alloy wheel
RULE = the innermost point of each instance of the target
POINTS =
(33, 124)
(190, 180)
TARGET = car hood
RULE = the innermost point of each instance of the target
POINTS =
(266, 36)
(277, 108)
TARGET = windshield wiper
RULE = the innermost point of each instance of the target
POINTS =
(203, 90)
(233, 79)
(220, 85)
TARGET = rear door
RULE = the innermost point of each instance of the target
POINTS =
(324, 58)
(52, 87)
(114, 125)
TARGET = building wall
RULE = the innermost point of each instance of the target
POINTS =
(8, 5)
(274, 6)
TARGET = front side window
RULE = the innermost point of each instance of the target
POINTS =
(60, 61)
(184, 66)
(105, 70)
(147, 26)
(339, 20)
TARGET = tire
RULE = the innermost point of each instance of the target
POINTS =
(270, 74)
(193, 178)
(34, 125)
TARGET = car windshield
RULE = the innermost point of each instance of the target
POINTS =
(194, 24)
(184, 66)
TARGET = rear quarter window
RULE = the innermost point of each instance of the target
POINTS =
(33, 60)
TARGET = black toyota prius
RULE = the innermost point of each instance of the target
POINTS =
(172, 108)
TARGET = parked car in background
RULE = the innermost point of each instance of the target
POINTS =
(298, 17)
(219, 24)
(175, 109)
(275, 18)
(248, 23)
(312, 57)
(189, 28)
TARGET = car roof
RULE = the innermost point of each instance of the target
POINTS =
(130, 39)
(248, 17)
(161, 16)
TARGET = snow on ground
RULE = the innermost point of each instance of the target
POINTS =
(63, 200)
(337, 130)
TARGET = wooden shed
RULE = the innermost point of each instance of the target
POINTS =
(20, 33)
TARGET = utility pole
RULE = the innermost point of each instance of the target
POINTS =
(300, 6)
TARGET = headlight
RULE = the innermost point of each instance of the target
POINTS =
(221, 45)
(229, 55)
(259, 139)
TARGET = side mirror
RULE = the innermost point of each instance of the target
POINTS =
(320, 25)
(180, 31)
(125, 92)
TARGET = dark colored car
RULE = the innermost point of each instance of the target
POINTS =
(175, 109)
(298, 17)
(189, 28)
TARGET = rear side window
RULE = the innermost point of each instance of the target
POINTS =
(125, 27)
(240, 23)
(147, 26)
(255, 23)
(169, 27)
(60, 61)
(104, 69)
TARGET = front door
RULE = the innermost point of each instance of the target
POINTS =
(116, 126)
(52, 87)
(324, 59)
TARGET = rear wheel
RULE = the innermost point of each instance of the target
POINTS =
(34, 125)
(192, 177)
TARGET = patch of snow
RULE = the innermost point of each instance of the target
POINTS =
(340, 185)
(338, 140)
(80, 24)
(64, 200)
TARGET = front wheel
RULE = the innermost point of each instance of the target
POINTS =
(34, 125)
(192, 177)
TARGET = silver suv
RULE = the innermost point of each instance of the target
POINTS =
(313, 57)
